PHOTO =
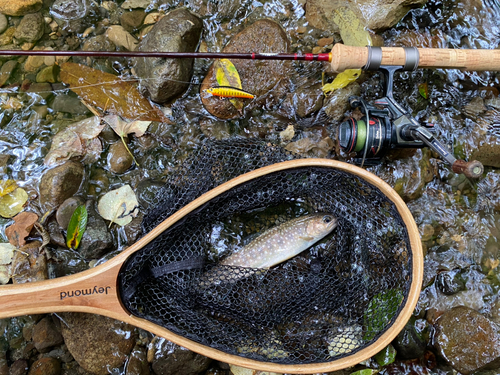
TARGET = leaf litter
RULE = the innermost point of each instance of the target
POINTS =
(23, 223)
(119, 206)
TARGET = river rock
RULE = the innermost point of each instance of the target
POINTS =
(132, 20)
(74, 16)
(267, 80)
(138, 362)
(20, 7)
(337, 102)
(4, 23)
(69, 104)
(134, 4)
(60, 183)
(45, 335)
(119, 158)
(96, 238)
(121, 37)
(467, 340)
(6, 39)
(6, 71)
(488, 152)
(98, 43)
(4, 367)
(19, 367)
(30, 28)
(48, 74)
(29, 264)
(408, 343)
(45, 366)
(172, 359)
(375, 15)
(66, 210)
(178, 31)
(97, 343)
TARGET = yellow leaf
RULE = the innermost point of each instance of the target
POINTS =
(109, 93)
(227, 75)
(7, 186)
(342, 80)
(11, 204)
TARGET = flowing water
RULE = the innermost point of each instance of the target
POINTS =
(458, 219)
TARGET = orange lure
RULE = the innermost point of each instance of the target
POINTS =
(229, 92)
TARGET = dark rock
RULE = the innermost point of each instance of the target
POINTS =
(56, 233)
(98, 43)
(96, 342)
(178, 31)
(74, 16)
(132, 20)
(408, 343)
(6, 71)
(119, 158)
(308, 100)
(267, 80)
(138, 362)
(172, 359)
(30, 28)
(133, 230)
(337, 103)
(146, 192)
(29, 264)
(69, 104)
(19, 367)
(66, 209)
(450, 282)
(4, 367)
(60, 183)
(4, 23)
(45, 366)
(467, 340)
(46, 335)
(374, 15)
(43, 89)
(96, 238)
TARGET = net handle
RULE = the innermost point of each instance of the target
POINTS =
(48, 296)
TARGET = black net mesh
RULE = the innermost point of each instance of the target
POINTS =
(331, 300)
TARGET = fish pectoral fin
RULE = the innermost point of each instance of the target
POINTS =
(306, 238)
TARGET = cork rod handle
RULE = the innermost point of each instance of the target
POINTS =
(348, 57)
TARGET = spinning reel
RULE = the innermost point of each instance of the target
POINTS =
(390, 126)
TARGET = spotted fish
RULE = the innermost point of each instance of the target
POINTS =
(283, 242)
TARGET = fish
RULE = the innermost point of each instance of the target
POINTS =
(283, 241)
(229, 92)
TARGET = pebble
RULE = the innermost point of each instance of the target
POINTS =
(121, 37)
(48, 74)
(134, 4)
(119, 158)
(323, 42)
(19, 367)
(6, 71)
(69, 104)
(137, 363)
(7, 36)
(20, 7)
(4, 23)
(46, 335)
(30, 28)
(66, 209)
(96, 342)
(172, 359)
(45, 366)
(96, 239)
(60, 183)
(132, 20)
(33, 63)
(42, 89)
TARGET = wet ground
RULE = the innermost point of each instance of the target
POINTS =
(458, 219)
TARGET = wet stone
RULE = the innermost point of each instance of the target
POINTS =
(43, 89)
(19, 367)
(96, 342)
(178, 31)
(48, 74)
(147, 191)
(172, 359)
(66, 209)
(45, 366)
(6, 71)
(121, 37)
(450, 282)
(46, 335)
(138, 362)
(134, 4)
(4, 23)
(20, 7)
(408, 343)
(467, 340)
(4, 366)
(69, 104)
(60, 183)
(337, 103)
(98, 43)
(132, 20)
(96, 239)
(6, 40)
(119, 158)
(74, 15)
(308, 100)
(30, 28)
(29, 264)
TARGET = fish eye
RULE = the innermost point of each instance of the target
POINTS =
(327, 219)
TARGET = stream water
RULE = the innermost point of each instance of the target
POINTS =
(458, 219)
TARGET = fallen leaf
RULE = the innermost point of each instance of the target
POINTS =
(119, 206)
(227, 75)
(6, 254)
(353, 33)
(78, 139)
(423, 90)
(311, 147)
(17, 232)
(287, 134)
(7, 186)
(12, 203)
(109, 93)
(76, 227)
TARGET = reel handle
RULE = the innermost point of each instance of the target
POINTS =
(471, 169)
(349, 57)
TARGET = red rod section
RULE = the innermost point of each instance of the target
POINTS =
(173, 55)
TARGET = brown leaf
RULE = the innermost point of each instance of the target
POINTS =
(17, 232)
(109, 93)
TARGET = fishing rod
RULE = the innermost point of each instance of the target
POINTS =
(386, 125)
